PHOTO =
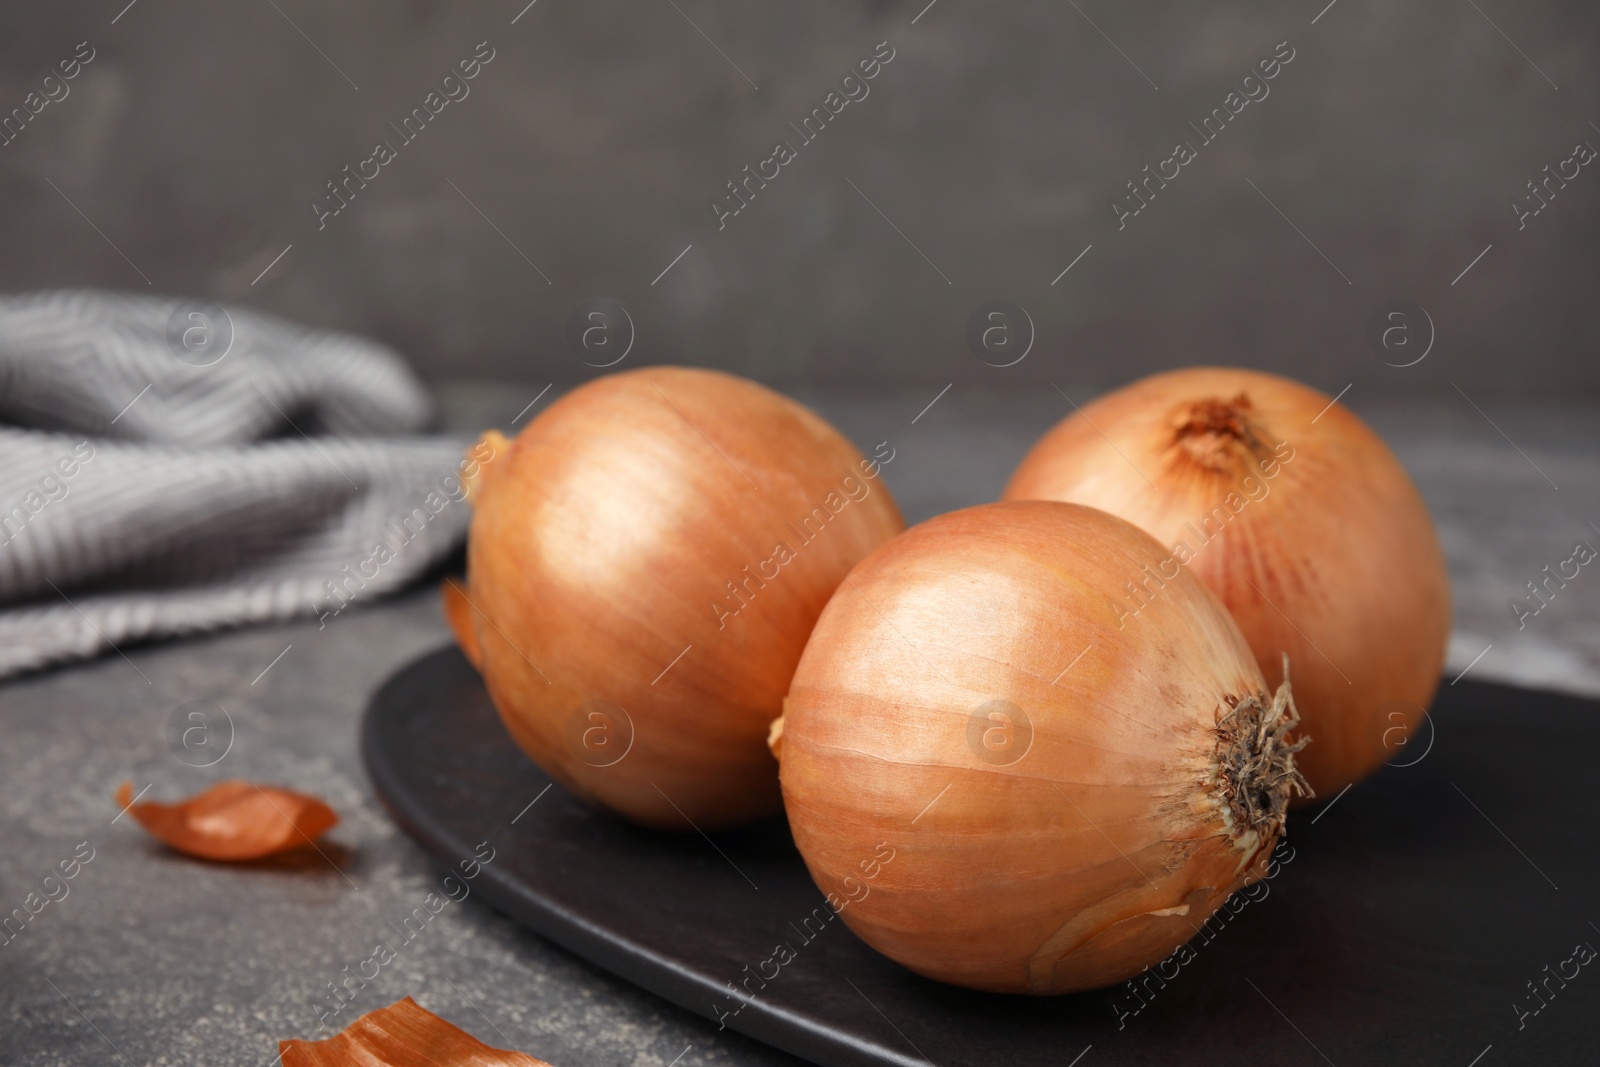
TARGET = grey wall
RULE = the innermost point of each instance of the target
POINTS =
(1396, 140)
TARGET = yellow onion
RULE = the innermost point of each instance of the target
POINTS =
(645, 563)
(1000, 787)
(1298, 517)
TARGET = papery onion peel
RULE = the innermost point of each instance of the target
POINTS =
(233, 820)
(403, 1034)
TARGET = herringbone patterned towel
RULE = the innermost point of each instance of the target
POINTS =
(171, 467)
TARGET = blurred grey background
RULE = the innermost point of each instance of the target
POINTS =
(983, 162)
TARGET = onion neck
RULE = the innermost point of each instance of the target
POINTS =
(498, 444)
(1255, 763)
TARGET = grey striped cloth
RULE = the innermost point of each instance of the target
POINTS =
(170, 467)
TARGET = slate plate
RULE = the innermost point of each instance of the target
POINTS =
(1405, 925)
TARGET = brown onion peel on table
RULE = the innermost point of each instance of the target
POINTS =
(404, 1034)
(644, 565)
(233, 820)
(1067, 800)
(1298, 517)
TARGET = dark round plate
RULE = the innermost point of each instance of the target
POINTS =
(1417, 918)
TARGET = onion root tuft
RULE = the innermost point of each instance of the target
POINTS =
(1255, 761)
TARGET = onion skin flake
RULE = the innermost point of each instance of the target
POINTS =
(401, 1035)
(233, 821)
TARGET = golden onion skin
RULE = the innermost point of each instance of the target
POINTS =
(600, 549)
(1078, 837)
(1333, 560)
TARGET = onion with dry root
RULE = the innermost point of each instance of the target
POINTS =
(1064, 800)
(645, 563)
(1298, 517)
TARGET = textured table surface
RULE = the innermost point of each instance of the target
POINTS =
(155, 959)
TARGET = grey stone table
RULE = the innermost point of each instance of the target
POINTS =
(152, 958)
